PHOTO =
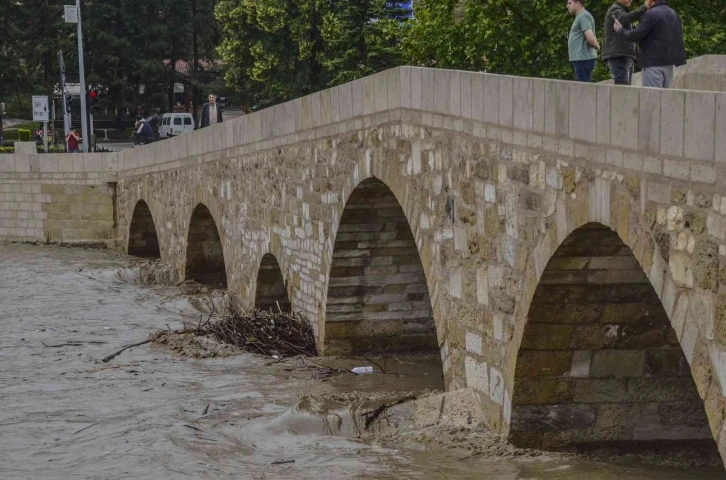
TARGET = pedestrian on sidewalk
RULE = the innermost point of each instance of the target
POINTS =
(211, 113)
(660, 35)
(143, 132)
(619, 53)
(72, 141)
(582, 43)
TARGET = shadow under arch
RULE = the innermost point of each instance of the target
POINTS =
(143, 239)
(204, 255)
(599, 364)
(378, 298)
(271, 293)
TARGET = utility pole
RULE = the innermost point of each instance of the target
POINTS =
(66, 115)
(73, 15)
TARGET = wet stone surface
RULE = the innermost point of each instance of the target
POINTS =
(150, 413)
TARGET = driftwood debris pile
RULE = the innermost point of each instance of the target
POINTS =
(264, 331)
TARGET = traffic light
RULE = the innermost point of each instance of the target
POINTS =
(92, 100)
(69, 102)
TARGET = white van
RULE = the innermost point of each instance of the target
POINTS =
(173, 124)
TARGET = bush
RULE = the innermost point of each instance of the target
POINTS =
(24, 135)
(7, 149)
(11, 134)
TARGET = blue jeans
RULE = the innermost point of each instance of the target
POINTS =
(583, 70)
(621, 69)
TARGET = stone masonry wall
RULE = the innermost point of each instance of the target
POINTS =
(493, 173)
(204, 254)
(378, 300)
(56, 197)
(143, 241)
(599, 361)
(271, 291)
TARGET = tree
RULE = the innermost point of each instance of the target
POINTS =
(361, 38)
(273, 49)
(529, 37)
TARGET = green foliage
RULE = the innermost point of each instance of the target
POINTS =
(7, 149)
(529, 37)
(272, 48)
(361, 38)
(24, 135)
(126, 44)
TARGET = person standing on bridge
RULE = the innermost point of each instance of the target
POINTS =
(582, 42)
(211, 113)
(619, 53)
(660, 35)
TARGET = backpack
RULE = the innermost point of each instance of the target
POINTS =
(146, 130)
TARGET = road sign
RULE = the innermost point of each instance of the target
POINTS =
(40, 108)
(70, 13)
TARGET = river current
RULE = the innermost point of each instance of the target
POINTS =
(150, 413)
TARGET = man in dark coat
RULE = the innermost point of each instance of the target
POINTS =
(211, 113)
(620, 54)
(660, 35)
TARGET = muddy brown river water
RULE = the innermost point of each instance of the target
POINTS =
(150, 413)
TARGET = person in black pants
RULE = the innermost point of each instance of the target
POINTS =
(618, 52)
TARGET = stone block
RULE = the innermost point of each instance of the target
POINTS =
(546, 337)
(678, 169)
(369, 95)
(672, 122)
(649, 120)
(624, 117)
(581, 363)
(540, 363)
(720, 127)
(454, 93)
(477, 96)
(552, 418)
(557, 108)
(442, 91)
(538, 102)
(356, 87)
(543, 390)
(491, 98)
(699, 140)
(427, 89)
(603, 114)
(600, 390)
(476, 375)
(394, 80)
(506, 101)
(380, 82)
(466, 94)
(523, 112)
(583, 103)
(618, 363)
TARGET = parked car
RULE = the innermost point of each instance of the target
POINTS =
(173, 124)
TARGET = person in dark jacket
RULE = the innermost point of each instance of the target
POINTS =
(216, 112)
(620, 54)
(660, 35)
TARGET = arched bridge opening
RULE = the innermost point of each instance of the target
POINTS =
(271, 293)
(599, 364)
(378, 299)
(143, 240)
(205, 257)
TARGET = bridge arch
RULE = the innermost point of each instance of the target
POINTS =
(271, 291)
(143, 239)
(599, 362)
(204, 253)
(378, 297)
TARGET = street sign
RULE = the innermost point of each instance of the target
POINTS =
(70, 13)
(40, 108)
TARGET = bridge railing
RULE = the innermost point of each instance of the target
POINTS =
(679, 125)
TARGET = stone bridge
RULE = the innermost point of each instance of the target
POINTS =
(562, 245)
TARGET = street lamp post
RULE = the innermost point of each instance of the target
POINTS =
(73, 15)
